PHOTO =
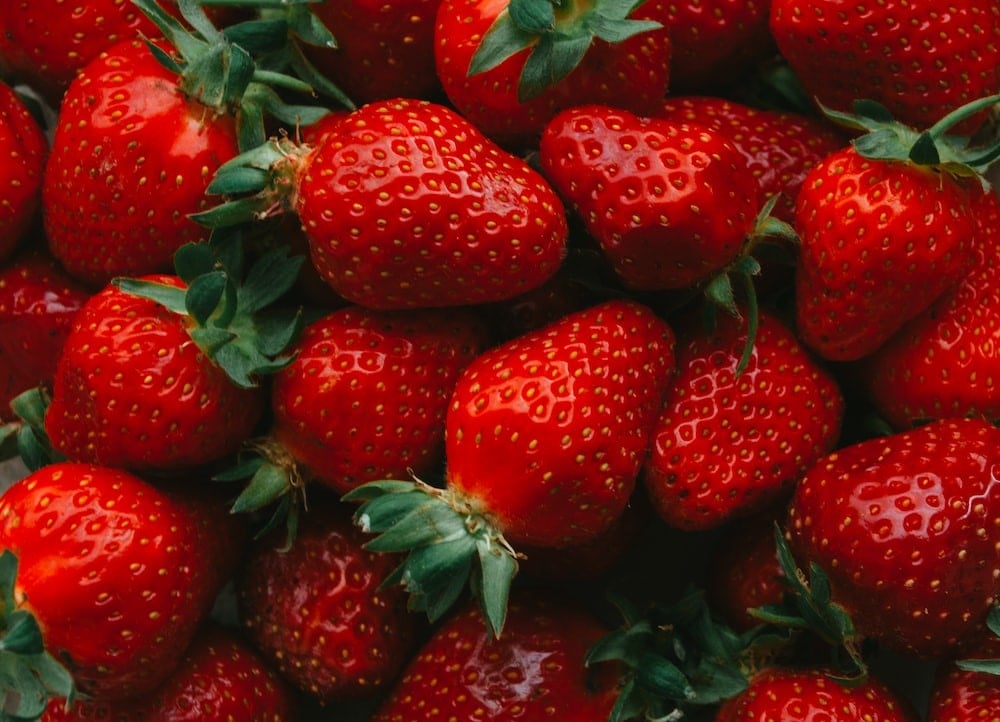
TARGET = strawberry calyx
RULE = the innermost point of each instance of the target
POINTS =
(558, 34)
(449, 545)
(26, 437)
(33, 676)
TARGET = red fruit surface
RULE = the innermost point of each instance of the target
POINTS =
(880, 241)
(407, 205)
(317, 611)
(133, 390)
(960, 695)
(726, 445)
(113, 571)
(546, 433)
(366, 396)
(906, 529)
(131, 158)
(670, 204)
(24, 149)
(534, 672)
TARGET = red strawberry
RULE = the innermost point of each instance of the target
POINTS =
(918, 58)
(964, 695)
(220, 679)
(943, 362)
(652, 193)
(544, 439)
(727, 443)
(905, 529)
(38, 303)
(779, 694)
(535, 672)
(318, 613)
(113, 571)
(510, 67)
(21, 173)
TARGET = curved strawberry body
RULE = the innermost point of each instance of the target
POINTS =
(133, 390)
(546, 433)
(961, 695)
(650, 191)
(131, 158)
(25, 148)
(112, 570)
(905, 528)
(727, 444)
(367, 393)
(407, 205)
(880, 241)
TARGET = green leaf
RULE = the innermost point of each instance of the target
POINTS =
(277, 330)
(317, 81)
(231, 213)
(714, 683)
(502, 41)
(204, 294)
(533, 16)
(259, 35)
(307, 27)
(663, 678)
(383, 512)
(268, 484)
(211, 339)
(985, 666)
(192, 260)
(924, 151)
(376, 489)
(23, 635)
(872, 110)
(33, 450)
(271, 277)
(497, 569)
(993, 620)
(240, 181)
(553, 58)
(431, 522)
(30, 406)
(720, 292)
(241, 470)
(172, 298)
(615, 30)
(8, 580)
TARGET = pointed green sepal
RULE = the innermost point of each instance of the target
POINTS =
(268, 484)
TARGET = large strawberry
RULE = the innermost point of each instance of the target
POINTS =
(511, 66)
(544, 439)
(727, 444)
(21, 173)
(407, 205)
(918, 58)
(111, 575)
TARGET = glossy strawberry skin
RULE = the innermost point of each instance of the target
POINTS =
(38, 303)
(905, 527)
(727, 445)
(905, 54)
(546, 433)
(942, 363)
(960, 695)
(317, 611)
(131, 158)
(25, 148)
(534, 672)
(650, 192)
(366, 396)
(880, 241)
(112, 569)
(133, 390)
(407, 205)
(633, 74)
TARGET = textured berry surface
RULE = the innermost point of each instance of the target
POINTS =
(24, 148)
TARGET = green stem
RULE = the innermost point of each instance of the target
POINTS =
(959, 114)
(281, 80)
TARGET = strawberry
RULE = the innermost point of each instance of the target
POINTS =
(942, 363)
(21, 173)
(649, 190)
(220, 679)
(915, 57)
(728, 444)
(38, 302)
(456, 219)
(534, 672)
(510, 67)
(112, 570)
(962, 694)
(544, 439)
(904, 529)
(318, 613)
(780, 693)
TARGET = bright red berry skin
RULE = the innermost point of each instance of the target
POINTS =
(112, 569)
(880, 241)
(546, 433)
(726, 445)
(919, 58)
(133, 390)
(632, 74)
(24, 148)
(38, 303)
(906, 529)
(366, 396)
(317, 611)
(810, 695)
(943, 363)
(960, 695)
(534, 672)
(651, 192)
(131, 158)
(408, 205)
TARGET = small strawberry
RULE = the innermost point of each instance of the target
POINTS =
(544, 439)
(318, 611)
(25, 148)
(727, 443)
(535, 672)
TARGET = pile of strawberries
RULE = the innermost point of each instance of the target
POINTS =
(482, 360)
